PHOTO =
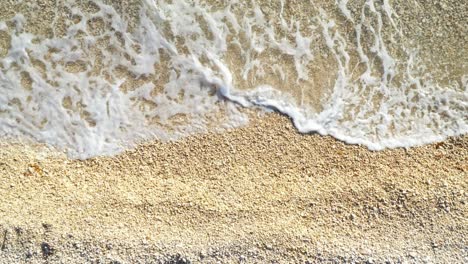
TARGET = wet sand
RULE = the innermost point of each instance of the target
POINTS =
(256, 194)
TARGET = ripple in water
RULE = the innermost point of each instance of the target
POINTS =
(95, 78)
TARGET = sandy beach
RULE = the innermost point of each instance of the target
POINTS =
(258, 194)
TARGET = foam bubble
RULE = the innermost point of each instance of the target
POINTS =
(104, 81)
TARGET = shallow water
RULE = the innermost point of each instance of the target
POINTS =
(93, 78)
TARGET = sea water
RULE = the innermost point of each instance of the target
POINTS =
(96, 77)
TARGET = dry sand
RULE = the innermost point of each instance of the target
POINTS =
(263, 193)
(259, 194)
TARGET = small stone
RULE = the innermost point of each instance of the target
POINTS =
(46, 249)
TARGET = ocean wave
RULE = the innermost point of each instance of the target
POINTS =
(101, 77)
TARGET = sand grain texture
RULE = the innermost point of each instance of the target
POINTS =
(259, 194)
(256, 194)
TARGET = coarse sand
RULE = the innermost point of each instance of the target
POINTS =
(258, 194)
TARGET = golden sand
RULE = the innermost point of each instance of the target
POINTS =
(260, 193)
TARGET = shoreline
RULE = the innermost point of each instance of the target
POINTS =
(258, 193)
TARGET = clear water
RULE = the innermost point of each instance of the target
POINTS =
(96, 78)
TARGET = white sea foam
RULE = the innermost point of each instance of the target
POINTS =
(186, 67)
